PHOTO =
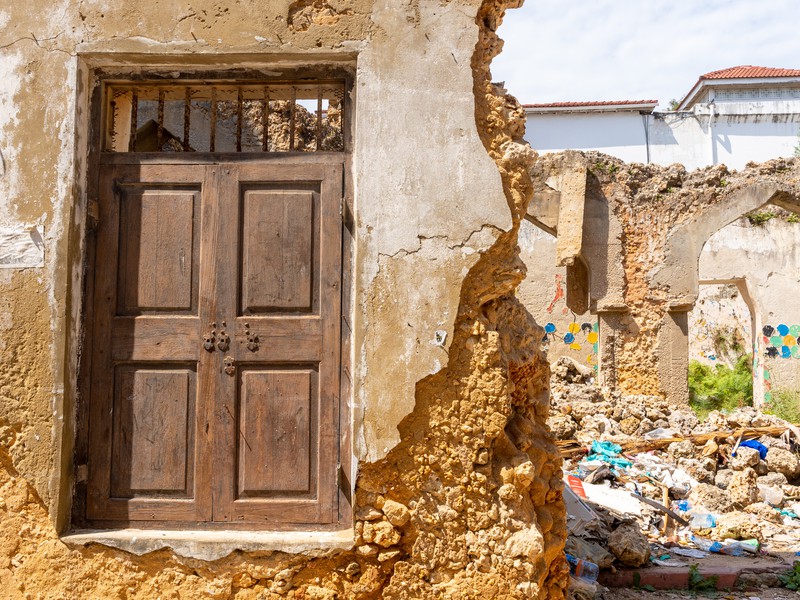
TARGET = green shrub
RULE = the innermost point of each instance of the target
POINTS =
(784, 404)
(720, 387)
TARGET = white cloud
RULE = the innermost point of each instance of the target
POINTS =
(630, 49)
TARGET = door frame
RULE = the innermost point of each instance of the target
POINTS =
(99, 71)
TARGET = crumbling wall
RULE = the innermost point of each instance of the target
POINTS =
(665, 215)
(463, 498)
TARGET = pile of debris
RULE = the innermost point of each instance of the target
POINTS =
(648, 482)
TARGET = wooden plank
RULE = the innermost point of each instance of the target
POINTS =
(277, 423)
(277, 251)
(227, 267)
(153, 434)
(102, 384)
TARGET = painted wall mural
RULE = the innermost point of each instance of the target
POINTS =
(580, 337)
(781, 341)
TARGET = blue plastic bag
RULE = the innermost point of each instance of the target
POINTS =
(755, 445)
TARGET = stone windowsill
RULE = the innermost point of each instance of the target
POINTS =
(213, 545)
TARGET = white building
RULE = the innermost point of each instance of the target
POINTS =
(732, 116)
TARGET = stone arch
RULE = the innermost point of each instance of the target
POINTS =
(680, 271)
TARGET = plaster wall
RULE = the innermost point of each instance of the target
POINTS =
(620, 134)
(740, 133)
(543, 292)
(449, 437)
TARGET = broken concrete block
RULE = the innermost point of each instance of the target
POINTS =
(723, 478)
(629, 545)
(738, 526)
(745, 457)
(765, 512)
(783, 461)
(562, 426)
(682, 449)
(777, 479)
(743, 489)
(711, 498)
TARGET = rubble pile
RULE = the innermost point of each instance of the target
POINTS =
(649, 483)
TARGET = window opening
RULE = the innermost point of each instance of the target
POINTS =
(239, 117)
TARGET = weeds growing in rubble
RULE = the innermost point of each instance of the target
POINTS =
(699, 583)
(785, 404)
(791, 580)
(720, 387)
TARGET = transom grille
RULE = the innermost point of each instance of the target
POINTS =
(225, 117)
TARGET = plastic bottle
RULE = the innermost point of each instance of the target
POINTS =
(583, 569)
(703, 521)
(729, 548)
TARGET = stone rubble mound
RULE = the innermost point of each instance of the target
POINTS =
(658, 482)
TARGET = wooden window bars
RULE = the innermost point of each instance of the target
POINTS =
(224, 117)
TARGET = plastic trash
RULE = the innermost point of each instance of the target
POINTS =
(683, 505)
(606, 448)
(608, 452)
(770, 494)
(750, 546)
(703, 521)
(755, 445)
(729, 547)
(659, 434)
(583, 569)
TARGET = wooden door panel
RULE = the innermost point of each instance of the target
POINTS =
(153, 433)
(149, 371)
(278, 236)
(277, 443)
(287, 339)
(286, 299)
(158, 253)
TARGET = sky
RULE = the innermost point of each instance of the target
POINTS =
(580, 50)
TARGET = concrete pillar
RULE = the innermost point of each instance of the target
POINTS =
(673, 355)
(611, 328)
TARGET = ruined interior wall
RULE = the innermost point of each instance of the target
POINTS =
(543, 292)
(665, 215)
(767, 257)
(463, 501)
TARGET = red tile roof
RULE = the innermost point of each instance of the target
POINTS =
(740, 72)
(748, 71)
(591, 103)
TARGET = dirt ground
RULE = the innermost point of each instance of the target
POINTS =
(761, 594)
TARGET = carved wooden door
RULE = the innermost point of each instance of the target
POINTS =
(215, 362)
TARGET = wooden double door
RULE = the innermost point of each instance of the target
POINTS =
(214, 379)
